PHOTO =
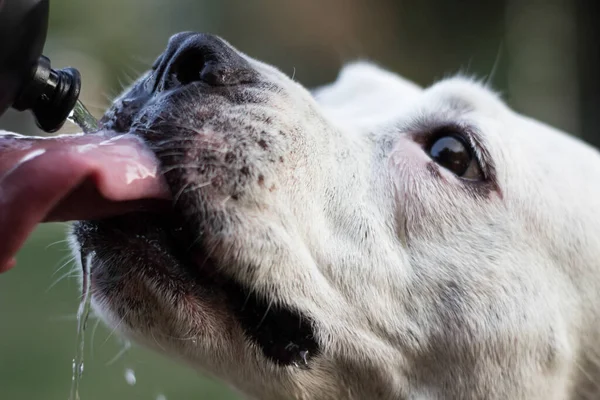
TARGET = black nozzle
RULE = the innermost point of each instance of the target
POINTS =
(50, 95)
(27, 81)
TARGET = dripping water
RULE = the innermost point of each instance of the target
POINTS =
(130, 376)
(82, 318)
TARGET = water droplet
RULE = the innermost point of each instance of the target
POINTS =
(130, 376)
(161, 397)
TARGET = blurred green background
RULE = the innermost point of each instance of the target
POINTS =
(544, 56)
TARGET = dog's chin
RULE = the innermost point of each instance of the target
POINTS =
(151, 276)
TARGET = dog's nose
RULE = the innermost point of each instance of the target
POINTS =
(196, 57)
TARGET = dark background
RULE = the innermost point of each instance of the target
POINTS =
(544, 58)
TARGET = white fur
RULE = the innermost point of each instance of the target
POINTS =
(418, 289)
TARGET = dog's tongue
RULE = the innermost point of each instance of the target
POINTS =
(71, 177)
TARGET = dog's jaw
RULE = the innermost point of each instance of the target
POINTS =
(415, 284)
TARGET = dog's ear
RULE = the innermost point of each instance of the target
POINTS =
(364, 95)
(361, 79)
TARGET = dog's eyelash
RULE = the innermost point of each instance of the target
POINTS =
(478, 149)
(469, 135)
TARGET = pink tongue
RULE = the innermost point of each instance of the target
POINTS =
(71, 177)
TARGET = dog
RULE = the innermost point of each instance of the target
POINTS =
(369, 239)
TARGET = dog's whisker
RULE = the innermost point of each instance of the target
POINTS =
(188, 188)
(122, 85)
(183, 142)
(178, 166)
(492, 73)
(225, 200)
(181, 153)
(56, 243)
(156, 341)
(265, 314)
(190, 337)
(248, 297)
(181, 191)
(120, 353)
(68, 274)
(187, 149)
(117, 325)
(65, 261)
(108, 97)
(94, 329)
(144, 62)
(68, 317)
(132, 72)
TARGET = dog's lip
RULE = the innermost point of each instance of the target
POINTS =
(184, 267)
(72, 177)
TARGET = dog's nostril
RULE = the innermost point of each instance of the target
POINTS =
(189, 68)
(195, 67)
(203, 58)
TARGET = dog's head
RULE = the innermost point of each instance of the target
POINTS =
(371, 239)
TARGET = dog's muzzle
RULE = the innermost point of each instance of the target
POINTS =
(189, 58)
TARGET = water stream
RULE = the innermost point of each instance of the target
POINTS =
(82, 317)
(81, 117)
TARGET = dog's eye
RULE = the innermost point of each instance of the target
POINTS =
(453, 153)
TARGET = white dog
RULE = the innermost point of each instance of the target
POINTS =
(370, 240)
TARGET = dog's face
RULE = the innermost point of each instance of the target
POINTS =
(371, 239)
